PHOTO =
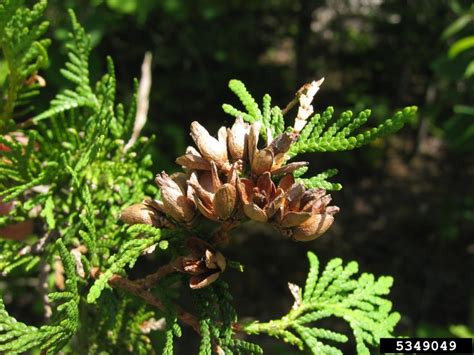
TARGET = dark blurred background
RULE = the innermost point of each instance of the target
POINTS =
(407, 206)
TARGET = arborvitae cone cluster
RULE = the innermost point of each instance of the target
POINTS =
(231, 179)
(232, 174)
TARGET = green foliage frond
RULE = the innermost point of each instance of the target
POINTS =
(205, 348)
(320, 181)
(77, 72)
(10, 258)
(134, 339)
(173, 330)
(68, 312)
(277, 121)
(318, 135)
(19, 164)
(116, 323)
(127, 256)
(66, 172)
(253, 111)
(48, 174)
(247, 100)
(217, 317)
(335, 293)
(76, 157)
(342, 135)
(24, 51)
(75, 174)
(17, 337)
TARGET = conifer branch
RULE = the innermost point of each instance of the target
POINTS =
(17, 337)
(25, 53)
(77, 72)
(314, 135)
(138, 290)
(334, 293)
(127, 255)
(150, 280)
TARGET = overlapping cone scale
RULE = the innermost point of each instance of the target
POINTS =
(215, 199)
(203, 263)
(231, 177)
(237, 139)
(139, 213)
(238, 146)
(298, 212)
(305, 214)
(175, 199)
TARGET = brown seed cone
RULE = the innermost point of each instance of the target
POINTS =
(300, 213)
(138, 214)
(262, 161)
(272, 158)
(313, 228)
(261, 199)
(193, 162)
(215, 200)
(211, 149)
(305, 214)
(175, 200)
(224, 201)
(145, 213)
(237, 139)
(204, 263)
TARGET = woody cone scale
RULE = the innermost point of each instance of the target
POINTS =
(233, 178)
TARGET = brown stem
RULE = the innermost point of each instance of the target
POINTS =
(150, 280)
(295, 100)
(132, 287)
(139, 289)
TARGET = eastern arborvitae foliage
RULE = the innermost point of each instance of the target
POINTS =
(24, 52)
(75, 216)
(322, 133)
(17, 337)
(334, 293)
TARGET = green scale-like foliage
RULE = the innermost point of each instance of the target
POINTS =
(318, 135)
(79, 155)
(17, 337)
(335, 293)
(116, 326)
(77, 72)
(217, 316)
(127, 255)
(74, 175)
(24, 51)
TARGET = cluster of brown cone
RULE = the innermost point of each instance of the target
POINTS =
(230, 179)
